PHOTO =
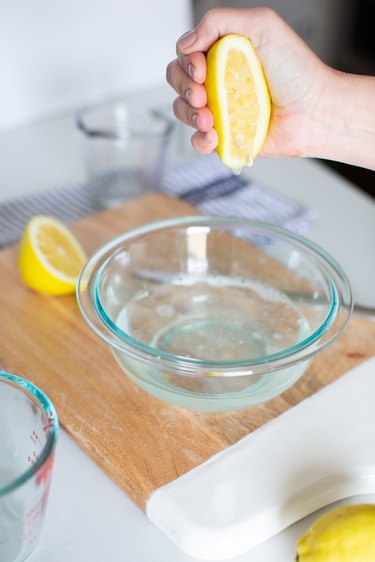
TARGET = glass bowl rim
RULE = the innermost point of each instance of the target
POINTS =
(118, 339)
(47, 406)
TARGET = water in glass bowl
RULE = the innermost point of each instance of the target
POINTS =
(214, 318)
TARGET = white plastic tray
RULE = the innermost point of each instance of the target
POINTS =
(320, 451)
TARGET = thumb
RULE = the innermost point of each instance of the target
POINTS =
(221, 21)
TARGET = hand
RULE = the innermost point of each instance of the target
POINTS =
(316, 110)
(294, 75)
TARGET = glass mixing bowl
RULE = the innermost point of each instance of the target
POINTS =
(214, 313)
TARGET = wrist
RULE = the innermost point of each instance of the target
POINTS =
(341, 124)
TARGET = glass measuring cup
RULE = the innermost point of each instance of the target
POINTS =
(29, 429)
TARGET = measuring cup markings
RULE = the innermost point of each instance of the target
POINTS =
(32, 518)
(28, 537)
(32, 521)
(26, 463)
(49, 422)
(44, 472)
(35, 438)
(33, 458)
(32, 515)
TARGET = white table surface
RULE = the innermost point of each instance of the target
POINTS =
(88, 517)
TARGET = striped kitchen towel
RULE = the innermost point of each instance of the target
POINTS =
(204, 182)
(66, 204)
(215, 190)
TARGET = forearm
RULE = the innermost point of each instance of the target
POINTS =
(342, 124)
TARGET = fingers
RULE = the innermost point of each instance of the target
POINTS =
(194, 65)
(186, 88)
(198, 118)
(205, 139)
(205, 142)
(190, 106)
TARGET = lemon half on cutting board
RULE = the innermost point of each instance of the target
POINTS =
(50, 257)
(239, 99)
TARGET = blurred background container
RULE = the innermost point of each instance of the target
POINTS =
(125, 149)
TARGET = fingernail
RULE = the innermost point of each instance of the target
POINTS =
(188, 95)
(190, 70)
(194, 119)
(187, 39)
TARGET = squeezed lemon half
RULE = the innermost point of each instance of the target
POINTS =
(344, 534)
(50, 256)
(239, 99)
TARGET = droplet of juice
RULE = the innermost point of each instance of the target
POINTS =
(236, 171)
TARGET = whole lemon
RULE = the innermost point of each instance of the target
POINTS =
(344, 534)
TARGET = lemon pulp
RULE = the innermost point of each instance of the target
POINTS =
(59, 250)
(244, 110)
(238, 97)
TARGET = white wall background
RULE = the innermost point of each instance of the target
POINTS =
(57, 55)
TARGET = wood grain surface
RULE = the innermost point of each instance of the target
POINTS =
(140, 442)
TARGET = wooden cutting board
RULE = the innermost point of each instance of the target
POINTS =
(140, 442)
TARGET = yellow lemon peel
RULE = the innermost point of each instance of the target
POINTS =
(344, 534)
